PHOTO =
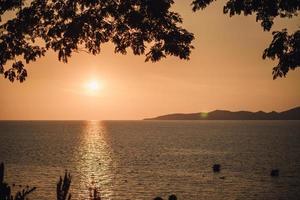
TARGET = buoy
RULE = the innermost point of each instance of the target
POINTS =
(275, 172)
(216, 167)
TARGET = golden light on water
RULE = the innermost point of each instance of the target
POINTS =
(96, 161)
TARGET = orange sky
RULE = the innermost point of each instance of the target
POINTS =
(226, 71)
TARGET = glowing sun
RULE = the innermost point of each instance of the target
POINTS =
(93, 86)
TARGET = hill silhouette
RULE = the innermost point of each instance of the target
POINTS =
(292, 114)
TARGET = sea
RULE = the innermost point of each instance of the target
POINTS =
(145, 159)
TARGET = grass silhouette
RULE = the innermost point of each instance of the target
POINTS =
(62, 189)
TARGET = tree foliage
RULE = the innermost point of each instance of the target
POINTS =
(284, 47)
(67, 26)
(147, 27)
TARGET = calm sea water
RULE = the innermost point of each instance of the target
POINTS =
(145, 159)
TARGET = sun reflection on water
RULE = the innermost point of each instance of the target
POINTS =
(96, 161)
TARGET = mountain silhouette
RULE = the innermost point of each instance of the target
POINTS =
(292, 114)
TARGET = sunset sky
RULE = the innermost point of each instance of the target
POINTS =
(226, 71)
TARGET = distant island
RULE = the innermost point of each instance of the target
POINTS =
(292, 114)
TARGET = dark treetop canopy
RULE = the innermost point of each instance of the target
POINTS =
(284, 47)
(68, 26)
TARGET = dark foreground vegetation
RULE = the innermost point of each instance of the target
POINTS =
(62, 190)
(64, 184)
